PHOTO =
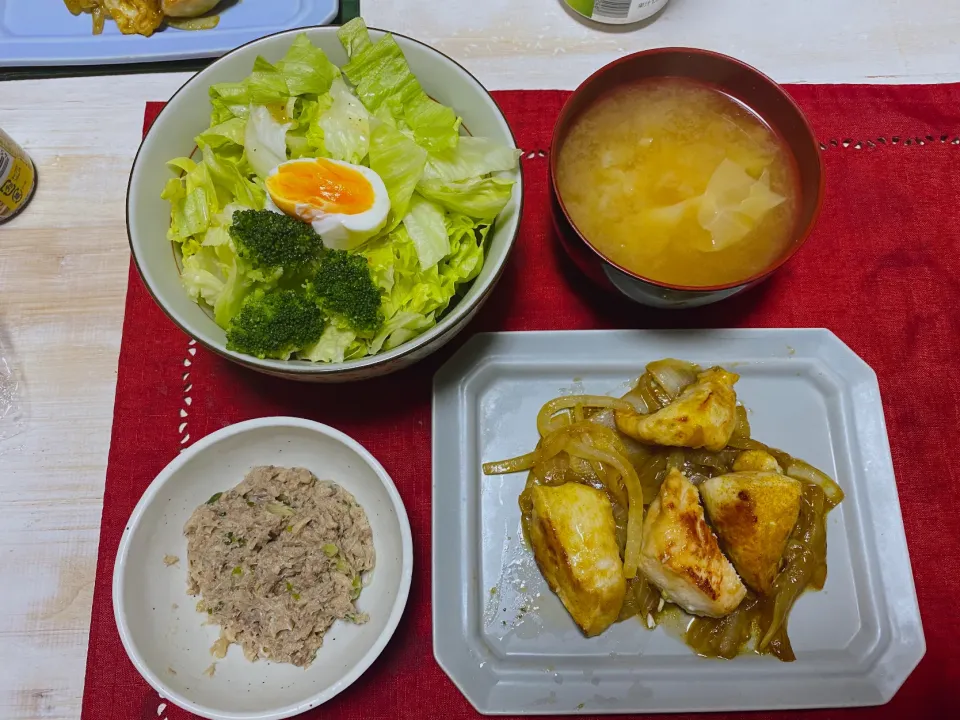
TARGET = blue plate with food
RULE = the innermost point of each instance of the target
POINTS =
(94, 32)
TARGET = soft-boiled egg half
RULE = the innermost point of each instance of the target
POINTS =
(346, 204)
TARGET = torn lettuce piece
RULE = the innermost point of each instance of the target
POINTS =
(264, 141)
(345, 125)
(473, 157)
(481, 198)
(425, 225)
(384, 81)
(332, 345)
(399, 162)
(306, 69)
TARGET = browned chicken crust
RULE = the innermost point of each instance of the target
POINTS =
(753, 514)
(681, 555)
(704, 415)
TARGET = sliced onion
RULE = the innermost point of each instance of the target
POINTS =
(804, 471)
(577, 413)
(195, 23)
(604, 418)
(673, 375)
(745, 443)
(606, 474)
(649, 390)
(631, 553)
(517, 464)
(787, 588)
(742, 428)
(571, 401)
(99, 15)
(635, 398)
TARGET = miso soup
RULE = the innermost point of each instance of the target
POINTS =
(678, 182)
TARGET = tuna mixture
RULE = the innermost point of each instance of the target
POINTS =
(276, 560)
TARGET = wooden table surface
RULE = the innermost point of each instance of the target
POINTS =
(63, 262)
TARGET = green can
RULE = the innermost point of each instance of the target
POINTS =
(617, 12)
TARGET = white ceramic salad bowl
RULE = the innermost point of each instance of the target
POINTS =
(188, 113)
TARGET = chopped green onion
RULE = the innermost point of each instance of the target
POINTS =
(278, 509)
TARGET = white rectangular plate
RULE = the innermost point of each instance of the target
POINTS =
(43, 32)
(506, 640)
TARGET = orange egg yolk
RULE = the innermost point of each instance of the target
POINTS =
(320, 184)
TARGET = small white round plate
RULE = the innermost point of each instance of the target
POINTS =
(160, 628)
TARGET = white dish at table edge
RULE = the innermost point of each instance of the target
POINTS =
(856, 641)
(170, 632)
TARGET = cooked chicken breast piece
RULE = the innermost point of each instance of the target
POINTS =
(680, 555)
(703, 415)
(575, 545)
(754, 514)
(756, 460)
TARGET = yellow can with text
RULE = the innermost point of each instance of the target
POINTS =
(18, 178)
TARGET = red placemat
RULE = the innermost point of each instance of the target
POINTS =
(882, 271)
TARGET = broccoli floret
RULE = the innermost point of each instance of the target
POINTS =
(275, 324)
(271, 240)
(344, 289)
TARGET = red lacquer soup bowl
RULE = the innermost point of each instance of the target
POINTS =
(763, 96)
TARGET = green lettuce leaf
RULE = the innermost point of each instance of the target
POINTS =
(305, 112)
(193, 203)
(401, 327)
(306, 68)
(399, 162)
(332, 345)
(354, 37)
(435, 127)
(383, 79)
(413, 298)
(264, 86)
(425, 225)
(231, 181)
(314, 132)
(265, 140)
(473, 157)
(467, 242)
(481, 198)
(228, 101)
(236, 287)
(229, 131)
(202, 276)
(345, 125)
